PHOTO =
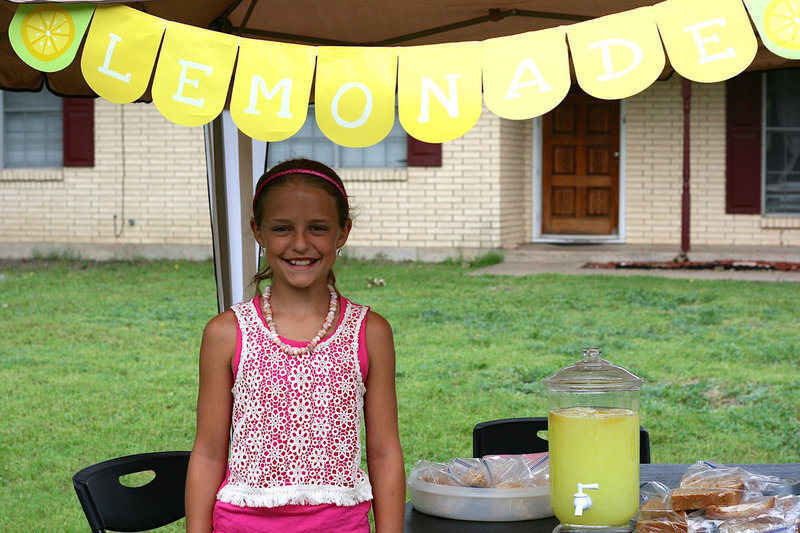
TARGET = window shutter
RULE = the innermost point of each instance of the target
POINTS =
(78, 131)
(743, 144)
(422, 154)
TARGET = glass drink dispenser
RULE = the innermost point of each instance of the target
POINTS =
(593, 433)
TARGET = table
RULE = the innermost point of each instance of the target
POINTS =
(669, 474)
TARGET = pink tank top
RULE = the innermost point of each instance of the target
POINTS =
(295, 427)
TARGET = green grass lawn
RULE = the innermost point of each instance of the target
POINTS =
(99, 360)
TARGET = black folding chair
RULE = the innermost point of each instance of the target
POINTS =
(521, 435)
(110, 505)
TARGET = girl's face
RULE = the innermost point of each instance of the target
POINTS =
(300, 233)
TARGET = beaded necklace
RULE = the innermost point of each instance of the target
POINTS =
(273, 333)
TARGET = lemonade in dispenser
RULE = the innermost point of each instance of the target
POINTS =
(593, 433)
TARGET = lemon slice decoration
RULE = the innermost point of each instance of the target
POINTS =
(782, 23)
(47, 31)
(47, 36)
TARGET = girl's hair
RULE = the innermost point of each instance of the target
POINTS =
(309, 172)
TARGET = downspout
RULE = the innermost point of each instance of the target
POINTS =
(686, 196)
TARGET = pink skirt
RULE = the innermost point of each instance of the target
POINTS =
(228, 518)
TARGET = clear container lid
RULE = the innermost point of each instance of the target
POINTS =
(593, 374)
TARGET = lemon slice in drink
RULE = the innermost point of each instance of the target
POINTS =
(47, 31)
(782, 23)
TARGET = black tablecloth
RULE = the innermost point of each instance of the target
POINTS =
(669, 474)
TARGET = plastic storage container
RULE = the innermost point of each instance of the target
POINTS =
(483, 505)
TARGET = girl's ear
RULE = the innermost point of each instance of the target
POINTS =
(256, 232)
(348, 225)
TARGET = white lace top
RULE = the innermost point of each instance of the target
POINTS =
(295, 428)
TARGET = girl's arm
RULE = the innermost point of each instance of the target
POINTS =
(384, 455)
(209, 456)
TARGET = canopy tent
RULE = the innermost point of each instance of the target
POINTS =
(234, 160)
(345, 22)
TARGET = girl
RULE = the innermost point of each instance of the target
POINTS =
(283, 379)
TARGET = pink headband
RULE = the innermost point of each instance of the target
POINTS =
(298, 171)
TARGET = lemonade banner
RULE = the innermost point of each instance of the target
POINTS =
(440, 89)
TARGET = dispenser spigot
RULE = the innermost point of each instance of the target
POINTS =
(581, 500)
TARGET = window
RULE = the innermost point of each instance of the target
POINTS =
(763, 143)
(782, 142)
(31, 135)
(309, 142)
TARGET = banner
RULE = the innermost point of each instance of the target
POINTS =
(708, 41)
(120, 52)
(440, 89)
(354, 95)
(193, 74)
(617, 56)
(47, 36)
(526, 75)
(778, 24)
(272, 88)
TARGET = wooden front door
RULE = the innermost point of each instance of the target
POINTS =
(580, 166)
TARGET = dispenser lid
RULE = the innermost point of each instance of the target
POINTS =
(593, 374)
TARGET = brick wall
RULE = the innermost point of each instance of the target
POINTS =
(148, 171)
(431, 213)
(153, 172)
(654, 173)
(159, 182)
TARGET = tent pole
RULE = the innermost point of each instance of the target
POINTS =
(217, 202)
(249, 260)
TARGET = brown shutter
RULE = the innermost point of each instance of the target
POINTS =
(78, 123)
(422, 154)
(743, 144)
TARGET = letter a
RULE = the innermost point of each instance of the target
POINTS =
(530, 65)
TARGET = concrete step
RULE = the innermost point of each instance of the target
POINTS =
(604, 253)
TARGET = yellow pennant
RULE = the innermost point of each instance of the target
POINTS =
(193, 74)
(354, 94)
(708, 41)
(439, 90)
(272, 88)
(526, 75)
(618, 55)
(120, 51)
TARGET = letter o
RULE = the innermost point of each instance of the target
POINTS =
(367, 108)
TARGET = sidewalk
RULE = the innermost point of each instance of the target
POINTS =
(535, 258)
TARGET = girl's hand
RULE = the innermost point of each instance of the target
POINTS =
(209, 458)
(384, 454)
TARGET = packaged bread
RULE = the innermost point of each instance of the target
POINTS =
(751, 509)
(761, 524)
(691, 498)
(659, 508)
(656, 515)
(719, 499)
(510, 471)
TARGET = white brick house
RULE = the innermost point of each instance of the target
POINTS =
(147, 194)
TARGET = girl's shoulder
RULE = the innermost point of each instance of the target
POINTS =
(378, 328)
(374, 321)
(223, 328)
